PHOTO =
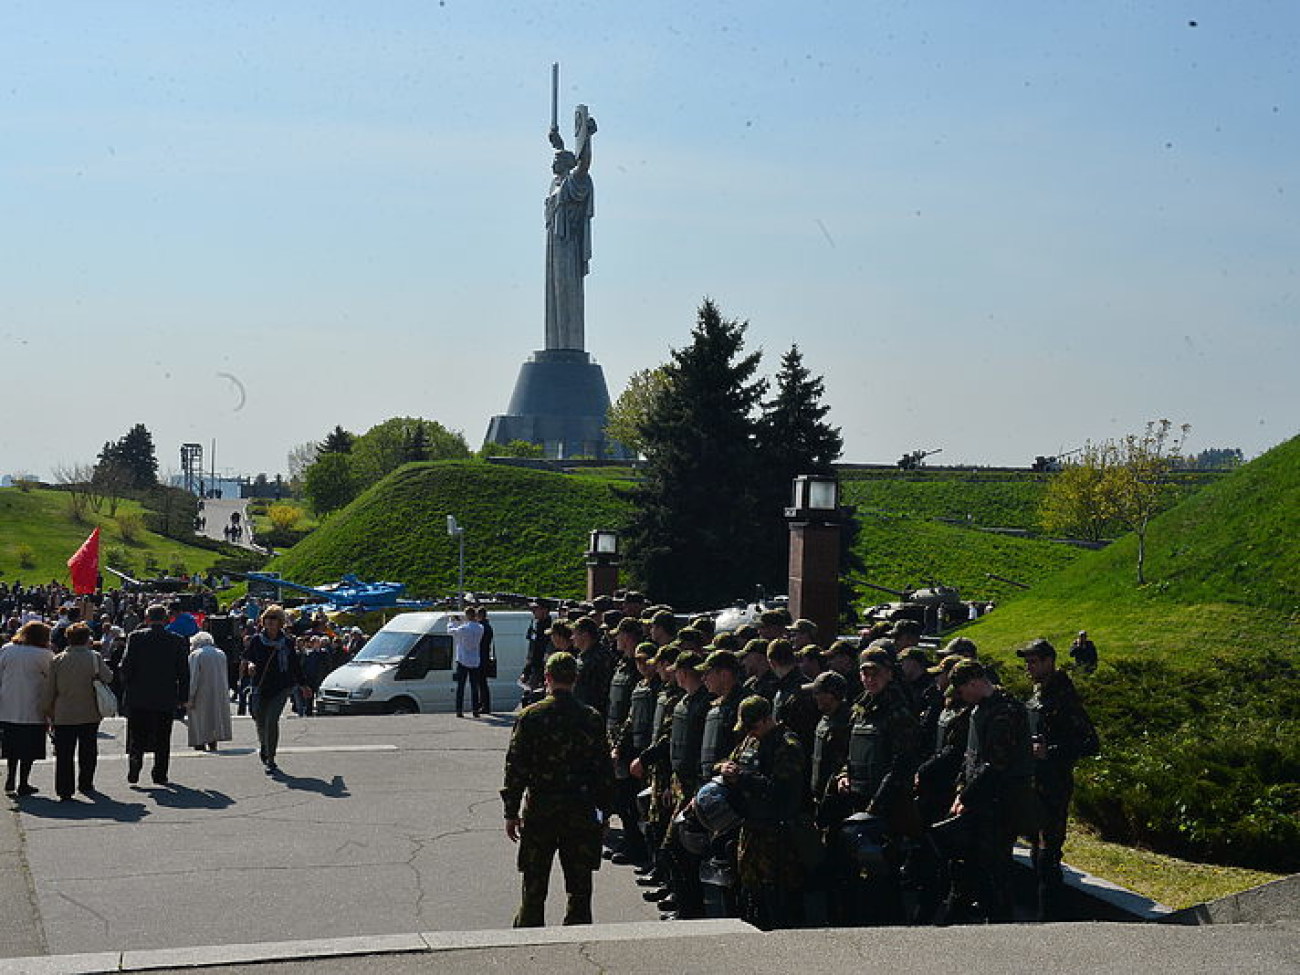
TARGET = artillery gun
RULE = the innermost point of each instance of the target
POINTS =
(916, 458)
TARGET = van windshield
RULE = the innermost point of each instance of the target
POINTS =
(386, 647)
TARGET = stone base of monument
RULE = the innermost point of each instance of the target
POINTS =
(560, 401)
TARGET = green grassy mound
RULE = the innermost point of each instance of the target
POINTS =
(37, 528)
(1198, 695)
(525, 530)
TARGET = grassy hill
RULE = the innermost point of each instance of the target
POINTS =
(38, 534)
(1198, 695)
(525, 530)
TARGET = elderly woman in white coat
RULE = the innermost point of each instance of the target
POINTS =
(209, 704)
(24, 680)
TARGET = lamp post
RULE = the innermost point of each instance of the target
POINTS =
(457, 531)
(602, 563)
(815, 527)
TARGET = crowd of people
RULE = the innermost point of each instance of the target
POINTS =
(160, 659)
(758, 774)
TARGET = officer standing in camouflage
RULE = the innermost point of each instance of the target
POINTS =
(686, 737)
(627, 634)
(594, 665)
(884, 749)
(1062, 733)
(995, 790)
(559, 787)
(768, 770)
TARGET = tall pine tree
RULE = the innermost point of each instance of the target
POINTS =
(133, 453)
(692, 539)
(793, 438)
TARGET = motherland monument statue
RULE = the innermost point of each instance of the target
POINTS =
(560, 399)
(570, 205)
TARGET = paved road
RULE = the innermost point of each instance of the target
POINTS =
(218, 512)
(379, 825)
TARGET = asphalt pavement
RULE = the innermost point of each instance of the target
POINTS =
(383, 839)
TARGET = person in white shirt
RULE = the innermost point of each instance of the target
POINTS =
(466, 638)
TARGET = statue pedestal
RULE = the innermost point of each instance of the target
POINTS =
(560, 401)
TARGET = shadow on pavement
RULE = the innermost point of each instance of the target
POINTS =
(176, 796)
(335, 788)
(84, 809)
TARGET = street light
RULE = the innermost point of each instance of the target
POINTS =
(456, 530)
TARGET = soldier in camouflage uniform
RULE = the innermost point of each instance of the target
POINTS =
(995, 790)
(767, 768)
(884, 747)
(559, 787)
(686, 738)
(792, 703)
(652, 766)
(623, 684)
(759, 678)
(595, 668)
(944, 729)
(1062, 733)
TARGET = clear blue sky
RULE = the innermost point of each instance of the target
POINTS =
(997, 229)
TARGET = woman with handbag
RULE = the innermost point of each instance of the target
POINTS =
(72, 705)
(275, 669)
(24, 680)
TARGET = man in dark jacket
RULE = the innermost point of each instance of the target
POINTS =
(155, 677)
(1062, 733)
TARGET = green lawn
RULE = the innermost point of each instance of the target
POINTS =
(41, 521)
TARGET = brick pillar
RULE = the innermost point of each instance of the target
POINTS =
(602, 576)
(815, 575)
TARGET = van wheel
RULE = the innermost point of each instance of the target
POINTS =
(403, 705)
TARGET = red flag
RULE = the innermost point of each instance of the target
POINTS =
(84, 566)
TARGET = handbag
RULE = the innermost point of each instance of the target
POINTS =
(105, 699)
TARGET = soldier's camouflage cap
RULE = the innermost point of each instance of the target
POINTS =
(562, 666)
(756, 646)
(829, 682)
(753, 709)
(965, 671)
(874, 658)
(962, 646)
(1037, 648)
(805, 626)
(666, 655)
(720, 660)
(691, 636)
(916, 653)
(946, 664)
(646, 651)
(689, 660)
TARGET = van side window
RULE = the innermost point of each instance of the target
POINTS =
(432, 652)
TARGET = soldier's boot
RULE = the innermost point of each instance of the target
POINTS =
(578, 908)
(532, 906)
(1051, 886)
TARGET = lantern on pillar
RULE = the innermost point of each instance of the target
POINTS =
(602, 563)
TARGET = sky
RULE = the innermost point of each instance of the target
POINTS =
(998, 230)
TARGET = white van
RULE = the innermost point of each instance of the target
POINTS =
(407, 668)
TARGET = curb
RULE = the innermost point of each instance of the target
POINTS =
(207, 956)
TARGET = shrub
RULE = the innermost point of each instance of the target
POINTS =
(131, 526)
(284, 516)
(26, 555)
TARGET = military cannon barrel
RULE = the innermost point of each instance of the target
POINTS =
(901, 594)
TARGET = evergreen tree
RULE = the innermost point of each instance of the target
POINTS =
(793, 438)
(692, 538)
(134, 453)
(337, 441)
